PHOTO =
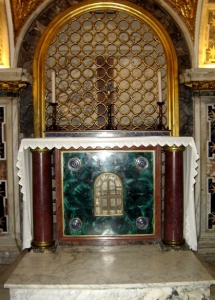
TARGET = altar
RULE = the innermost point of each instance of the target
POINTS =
(128, 270)
(106, 141)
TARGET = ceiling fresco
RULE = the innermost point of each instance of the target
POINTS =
(22, 9)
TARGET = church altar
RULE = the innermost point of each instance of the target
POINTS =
(131, 271)
(190, 157)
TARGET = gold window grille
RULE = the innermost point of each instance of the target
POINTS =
(105, 56)
(100, 57)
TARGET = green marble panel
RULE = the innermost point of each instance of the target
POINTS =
(136, 170)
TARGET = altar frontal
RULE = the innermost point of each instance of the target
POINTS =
(108, 196)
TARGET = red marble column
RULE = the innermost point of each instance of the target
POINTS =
(173, 200)
(42, 199)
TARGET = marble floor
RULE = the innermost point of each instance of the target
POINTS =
(96, 266)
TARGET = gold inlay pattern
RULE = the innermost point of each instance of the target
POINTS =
(22, 9)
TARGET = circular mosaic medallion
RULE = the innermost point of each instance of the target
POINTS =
(74, 164)
(75, 224)
(141, 163)
(142, 223)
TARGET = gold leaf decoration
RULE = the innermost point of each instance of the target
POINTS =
(186, 9)
(22, 9)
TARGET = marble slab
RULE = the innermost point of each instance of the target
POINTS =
(115, 272)
(107, 133)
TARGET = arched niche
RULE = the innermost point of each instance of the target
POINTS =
(42, 75)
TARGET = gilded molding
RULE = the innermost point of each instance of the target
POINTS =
(201, 85)
(186, 9)
(41, 247)
(174, 148)
(22, 9)
(12, 86)
(39, 150)
(173, 243)
(43, 244)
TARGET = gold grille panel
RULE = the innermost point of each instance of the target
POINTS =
(105, 58)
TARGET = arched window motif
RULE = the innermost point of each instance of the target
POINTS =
(99, 65)
(108, 195)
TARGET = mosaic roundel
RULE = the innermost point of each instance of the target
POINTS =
(142, 223)
(141, 163)
(74, 164)
(75, 224)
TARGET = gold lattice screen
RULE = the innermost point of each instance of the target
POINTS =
(105, 59)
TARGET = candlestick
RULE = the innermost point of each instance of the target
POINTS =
(53, 87)
(160, 125)
(159, 88)
(54, 126)
(109, 125)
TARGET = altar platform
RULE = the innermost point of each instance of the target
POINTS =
(110, 272)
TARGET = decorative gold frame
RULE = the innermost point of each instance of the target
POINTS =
(50, 32)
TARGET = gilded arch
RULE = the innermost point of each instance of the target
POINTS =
(50, 33)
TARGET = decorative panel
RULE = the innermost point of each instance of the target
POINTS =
(111, 194)
(210, 48)
(211, 166)
(3, 174)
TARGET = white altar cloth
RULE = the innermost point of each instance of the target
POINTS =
(24, 165)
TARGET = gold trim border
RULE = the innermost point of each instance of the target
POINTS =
(43, 244)
(174, 148)
(40, 150)
(173, 243)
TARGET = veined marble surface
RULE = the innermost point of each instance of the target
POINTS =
(114, 272)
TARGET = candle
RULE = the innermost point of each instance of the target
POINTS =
(159, 87)
(53, 87)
